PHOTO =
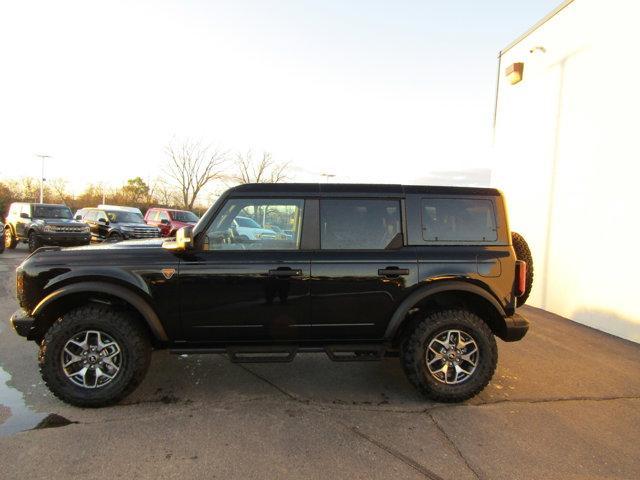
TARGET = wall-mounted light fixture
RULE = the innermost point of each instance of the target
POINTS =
(537, 48)
(514, 72)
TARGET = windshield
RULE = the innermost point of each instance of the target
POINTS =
(124, 217)
(51, 211)
(247, 222)
(181, 216)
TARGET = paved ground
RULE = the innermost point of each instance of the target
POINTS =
(564, 403)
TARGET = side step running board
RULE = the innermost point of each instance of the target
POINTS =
(264, 354)
(286, 353)
(355, 353)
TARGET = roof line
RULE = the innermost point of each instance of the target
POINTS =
(544, 20)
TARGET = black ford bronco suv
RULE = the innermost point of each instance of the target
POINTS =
(40, 224)
(428, 274)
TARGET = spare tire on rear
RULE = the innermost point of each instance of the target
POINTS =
(523, 253)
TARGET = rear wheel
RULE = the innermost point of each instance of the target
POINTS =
(523, 253)
(34, 242)
(94, 356)
(450, 356)
(10, 240)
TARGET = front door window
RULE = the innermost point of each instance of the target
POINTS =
(256, 224)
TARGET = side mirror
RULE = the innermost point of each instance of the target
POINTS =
(183, 241)
(104, 221)
(164, 221)
(78, 217)
(24, 215)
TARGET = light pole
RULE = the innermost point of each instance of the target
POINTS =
(42, 157)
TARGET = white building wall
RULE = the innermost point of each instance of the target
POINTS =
(567, 152)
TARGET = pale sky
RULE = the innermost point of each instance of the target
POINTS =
(370, 91)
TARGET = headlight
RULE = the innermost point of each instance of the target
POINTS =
(48, 229)
(85, 229)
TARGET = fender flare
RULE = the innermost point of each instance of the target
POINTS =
(429, 290)
(135, 300)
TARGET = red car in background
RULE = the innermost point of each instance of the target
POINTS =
(169, 220)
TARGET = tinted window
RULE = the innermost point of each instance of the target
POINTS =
(244, 224)
(184, 216)
(348, 224)
(116, 216)
(458, 220)
(51, 211)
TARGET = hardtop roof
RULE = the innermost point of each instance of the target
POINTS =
(321, 189)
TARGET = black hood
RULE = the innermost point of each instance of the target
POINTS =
(60, 222)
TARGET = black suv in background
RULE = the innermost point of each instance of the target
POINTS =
(41, 224)
(116, 224)
(426, 274)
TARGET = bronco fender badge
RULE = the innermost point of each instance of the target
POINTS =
(168, 272)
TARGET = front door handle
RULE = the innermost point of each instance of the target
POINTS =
(393, 272)
(285, 272)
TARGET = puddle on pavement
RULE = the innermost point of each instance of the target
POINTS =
(21, 417)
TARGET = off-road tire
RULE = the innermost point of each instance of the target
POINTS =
(413, 355)
(115, 237)
(2, 234)
(123, 327)
(523, 253)
(33, 242)
(10, 240)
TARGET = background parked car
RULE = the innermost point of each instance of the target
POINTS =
(120, 207)
(80, 213)
(281, 234)
(249, 229)
(169, 220)
(41, 224)
(115, 224)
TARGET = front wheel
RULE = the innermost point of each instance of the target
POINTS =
(34, 242)
(94, 356)
(115, 237)
(450, 356)
(10, 240)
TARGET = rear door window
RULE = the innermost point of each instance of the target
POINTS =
(458, 220)
(359, 224)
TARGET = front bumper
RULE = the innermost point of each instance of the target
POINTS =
(22, 323)
(516, 327)
(64, 240)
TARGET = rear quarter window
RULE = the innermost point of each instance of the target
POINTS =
(458, 220)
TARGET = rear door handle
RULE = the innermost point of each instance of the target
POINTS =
(285, 272)
(393, 272)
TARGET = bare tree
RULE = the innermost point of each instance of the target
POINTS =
(163, 193)
(265, 170)
(59, 187)
(192, 166)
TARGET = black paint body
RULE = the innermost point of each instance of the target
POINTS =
(200, 298)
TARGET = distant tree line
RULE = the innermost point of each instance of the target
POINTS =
(189, 169)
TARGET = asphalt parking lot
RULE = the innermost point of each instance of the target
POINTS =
(564, 403)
